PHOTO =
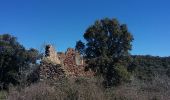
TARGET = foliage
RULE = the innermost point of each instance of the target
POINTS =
(3, 95)
(107, 44)
(147, 67)
(80, 46)
(14, 60)
(122, 73)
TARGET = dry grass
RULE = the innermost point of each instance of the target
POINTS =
(40, 91)
(72, 89)
(91, 89)
(158, 89)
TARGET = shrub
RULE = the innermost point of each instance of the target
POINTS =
(89, 89)
(122, 73)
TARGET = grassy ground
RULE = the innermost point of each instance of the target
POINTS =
(3, 95)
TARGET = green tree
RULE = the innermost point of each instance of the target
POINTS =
(14, 60)
(107, 46)
(80, 46)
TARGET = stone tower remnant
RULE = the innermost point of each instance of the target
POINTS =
(51, 54)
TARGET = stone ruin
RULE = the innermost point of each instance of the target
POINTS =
(58, 64)
(51, 54)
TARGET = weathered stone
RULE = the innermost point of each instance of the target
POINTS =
(51, 54)
(70, 63)
(50, 71)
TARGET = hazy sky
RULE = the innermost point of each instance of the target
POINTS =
(63, 22)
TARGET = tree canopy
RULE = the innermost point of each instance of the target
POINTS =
(107, 45)
(14, 59)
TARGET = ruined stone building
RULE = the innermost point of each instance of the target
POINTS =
(51, 54)
(70, 63)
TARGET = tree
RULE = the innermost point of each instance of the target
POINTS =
(80, 47)
(14, 60)
(106, 48)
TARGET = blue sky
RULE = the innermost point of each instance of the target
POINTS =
(63, 22)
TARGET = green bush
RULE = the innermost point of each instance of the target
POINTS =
(122, 73)
(3, 95)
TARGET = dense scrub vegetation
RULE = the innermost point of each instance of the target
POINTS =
(147, 67)
(107, 45)
(92, 89)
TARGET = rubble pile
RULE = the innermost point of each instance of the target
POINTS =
(50, 71)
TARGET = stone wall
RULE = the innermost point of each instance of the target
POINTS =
(71, 63)
(51, 54)
(50, 71)
(72, 55)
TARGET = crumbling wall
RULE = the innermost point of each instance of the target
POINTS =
(75, 68)
(50, 71)
(61, 57)
(79, 59)
(51, 54)
(71, 64)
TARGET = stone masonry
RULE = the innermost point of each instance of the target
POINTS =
(51, 54)
(70, 63)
